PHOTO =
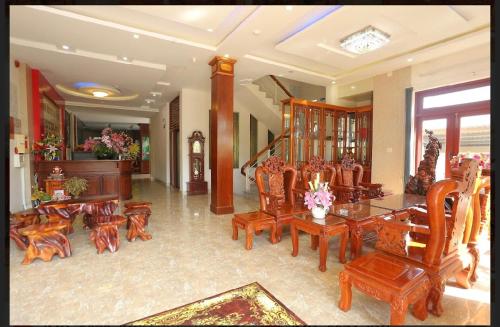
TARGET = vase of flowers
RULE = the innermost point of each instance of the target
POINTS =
(318, 199)
(49, 147)
(111, 145)
(484, 160)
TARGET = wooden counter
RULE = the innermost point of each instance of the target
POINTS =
(105, 177)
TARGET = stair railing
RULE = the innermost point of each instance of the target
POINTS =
(273, 89)
(272, 149)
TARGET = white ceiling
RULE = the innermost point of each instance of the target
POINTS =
(171, 36)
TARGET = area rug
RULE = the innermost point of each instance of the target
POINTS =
(247, 305)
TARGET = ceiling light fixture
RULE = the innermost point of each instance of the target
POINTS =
(100, 94)
(163, 83)
(136, 36)
(353, 87)
(409, 59)
(256, 32)
(365, 40)
(193, 15)
(333, 82)
(149, 100)
(226, 55)
(289, 8)
(210, 29)
(65, 47)
(154, 93)
(194, 59)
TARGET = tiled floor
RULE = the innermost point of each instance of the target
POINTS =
(192, 256)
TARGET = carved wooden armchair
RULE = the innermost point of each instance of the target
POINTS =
(276, 185)
(316, 165)
(349, 187)
(441, 253)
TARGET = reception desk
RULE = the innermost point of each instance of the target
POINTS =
(106, 178)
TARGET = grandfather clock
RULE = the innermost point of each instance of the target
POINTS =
(197, 183)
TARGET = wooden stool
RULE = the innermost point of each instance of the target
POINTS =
(138, 204)
(254, 222)
(98, 208)
(104, 232)
(45, 240)
(137, 220)
(387, 279)
(20, 220)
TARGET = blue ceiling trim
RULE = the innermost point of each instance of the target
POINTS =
(78, 85)
(312, 20)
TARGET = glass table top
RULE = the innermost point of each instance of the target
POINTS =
(329, 220)
(396, 201)
(357, 211)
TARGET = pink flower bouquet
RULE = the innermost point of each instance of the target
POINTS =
(319, 198)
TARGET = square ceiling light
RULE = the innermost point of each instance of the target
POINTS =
(365, 40)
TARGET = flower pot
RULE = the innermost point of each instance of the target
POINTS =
(319, 212)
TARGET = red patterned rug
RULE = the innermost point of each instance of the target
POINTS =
(246, 305)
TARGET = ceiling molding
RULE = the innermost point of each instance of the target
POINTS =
(108, 106)
(237, 26)
(87, 54)
(295, 68)
(439, 43)
(341, 52)
(122, 27)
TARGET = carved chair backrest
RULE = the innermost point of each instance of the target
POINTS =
(443, 239)
(349, 173)
(317, 165)
(270, 179)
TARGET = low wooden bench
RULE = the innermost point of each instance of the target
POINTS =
(254, 222)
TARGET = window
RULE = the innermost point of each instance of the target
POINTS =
(459, 116)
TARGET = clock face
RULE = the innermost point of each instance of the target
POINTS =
(196, 147)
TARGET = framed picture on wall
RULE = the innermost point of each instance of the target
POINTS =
(51, 117)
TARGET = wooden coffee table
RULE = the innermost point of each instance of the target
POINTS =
(321, 230)
(360, 217)
(251, 222)
(44, 241)
(104, 232)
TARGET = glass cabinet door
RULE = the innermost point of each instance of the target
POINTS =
(363, 132)
(299, 133)
(351, 128)
(314, 133)
(329, 137)
(341, 134)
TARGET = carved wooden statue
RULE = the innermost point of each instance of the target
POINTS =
(442, 254)
(276, 184)
(426, 172)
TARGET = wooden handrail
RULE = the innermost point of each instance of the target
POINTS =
(281, 86)
(268, 147)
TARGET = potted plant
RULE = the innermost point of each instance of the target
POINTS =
(318, 199)
(75, 186)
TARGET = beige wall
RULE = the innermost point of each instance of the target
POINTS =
(389, 129)
(20, 177)
(159, 137)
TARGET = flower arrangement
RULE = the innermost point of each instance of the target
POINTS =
(319, 198)
(484, 159)
(49, 147)
(38, 196)
(111, 145)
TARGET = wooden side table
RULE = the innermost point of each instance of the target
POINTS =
(254, 222)
(104, 232)
(321, 230)
(64, 212)
(45, 240)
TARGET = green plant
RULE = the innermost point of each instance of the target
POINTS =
(75, 186)
(40, 195)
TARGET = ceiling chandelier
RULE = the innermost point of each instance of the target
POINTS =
(365, 40)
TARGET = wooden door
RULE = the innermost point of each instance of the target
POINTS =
(174, 142)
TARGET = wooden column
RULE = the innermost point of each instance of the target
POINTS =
(221, 135)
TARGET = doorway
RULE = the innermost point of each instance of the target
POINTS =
(174, 143)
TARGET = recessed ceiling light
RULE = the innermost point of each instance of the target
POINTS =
(289, 8)
(125, 58)
(149, 100)
(409, 59)
(136, 36)
(210, 29)
(256, 32)
(100, 94)
(65, 47)
(280, 75)
(154, 93)
(163, 83)
(194, 59)
(353, 87)
(193, 15)
(226, 55)
(333, 82)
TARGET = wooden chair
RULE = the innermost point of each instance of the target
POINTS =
(276, 185)
(349, 187)
(390, 273)
(317, 165)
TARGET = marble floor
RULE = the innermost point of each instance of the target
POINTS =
(192, 256)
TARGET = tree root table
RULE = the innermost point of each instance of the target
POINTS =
(321, 230)
(44, 241)
(20, 220)
(251, 222)
(61, 211)
(104, 232)
(137, 220)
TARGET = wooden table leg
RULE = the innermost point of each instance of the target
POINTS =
(356, 243)
(105, 237)
(249, 238)
(314, 241)
(343, 244)
(235, 230)
(323, 252)
(279, 231)
(295, 239)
